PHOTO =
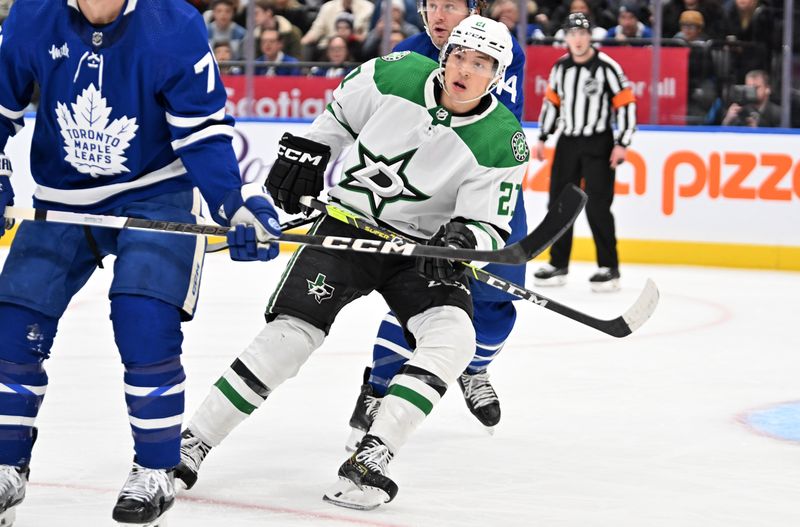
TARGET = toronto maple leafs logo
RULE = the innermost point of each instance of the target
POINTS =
(93, 145)
(382, 180)
(319, 289)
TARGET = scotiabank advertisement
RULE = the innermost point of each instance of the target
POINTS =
(709, 191)
(280, 97)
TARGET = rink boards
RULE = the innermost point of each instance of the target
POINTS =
(710, 196)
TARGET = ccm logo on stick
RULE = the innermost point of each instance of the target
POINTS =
(367, 246)
(300, 157)
(726, 174)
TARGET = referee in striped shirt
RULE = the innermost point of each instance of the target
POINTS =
(586, 90)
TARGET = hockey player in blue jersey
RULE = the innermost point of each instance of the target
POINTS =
(131, 119)
(494, 313)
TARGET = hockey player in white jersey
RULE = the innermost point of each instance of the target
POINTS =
(131, 119)
(433, 151)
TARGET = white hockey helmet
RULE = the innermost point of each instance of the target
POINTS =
(485, 35)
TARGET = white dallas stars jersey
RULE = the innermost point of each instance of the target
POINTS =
(414, 165)
(128, 110)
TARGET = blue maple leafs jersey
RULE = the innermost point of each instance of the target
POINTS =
(127, 110)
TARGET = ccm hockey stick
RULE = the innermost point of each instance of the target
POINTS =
(621, 326)
(567, 208)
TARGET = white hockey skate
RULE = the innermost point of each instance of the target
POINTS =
(363, 481)
(145, 497)
(13, 481)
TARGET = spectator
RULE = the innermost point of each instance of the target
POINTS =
(748, 21)
(692, 25)
(753, 109)
(222, 54)
(582, 6)
(702, 78)
(710, 9)
(324, 26)
(372, 44)
(294, 12)
(410, 14)
(345, 29)
(265, 18)
(507, 13)
(629, 24)
(337, 53)
(272, 51)
(223, 28)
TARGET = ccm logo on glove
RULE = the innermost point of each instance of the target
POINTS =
(300, 157)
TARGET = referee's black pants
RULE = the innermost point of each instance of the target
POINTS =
(587, 159)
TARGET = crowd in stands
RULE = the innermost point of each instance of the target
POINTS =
(731, 41)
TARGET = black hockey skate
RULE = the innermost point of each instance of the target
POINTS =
(480, 397)
(193, 452)
(605, 280)
(13, 481)
(145, 497)
(548, 276)
(364, 413)
(363, 480)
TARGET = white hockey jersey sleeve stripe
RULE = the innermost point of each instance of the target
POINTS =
(193, 122)
(90, 196)
(205, 133)
(11, 114)
(487, 236)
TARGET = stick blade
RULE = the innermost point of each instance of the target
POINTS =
(643, 308)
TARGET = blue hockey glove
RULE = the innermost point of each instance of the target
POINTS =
(255, 223)
(453, 234)
(6, 192)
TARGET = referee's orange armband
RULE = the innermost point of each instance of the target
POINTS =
(625, 96)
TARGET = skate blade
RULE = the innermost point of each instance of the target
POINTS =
(354, 440)
(7, 517)
(556, 281)
(161, 521)
(489, 430)
(347, 494)
(605, 287)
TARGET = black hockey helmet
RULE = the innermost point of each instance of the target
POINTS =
(577, 20)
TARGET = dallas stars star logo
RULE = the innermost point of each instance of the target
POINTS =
(320, 289)
(382, 180)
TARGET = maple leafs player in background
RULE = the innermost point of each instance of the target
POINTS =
(495, 314)
(439, 176)
(131, 119)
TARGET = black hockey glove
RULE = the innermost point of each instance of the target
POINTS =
(298, 171)
(453, 234)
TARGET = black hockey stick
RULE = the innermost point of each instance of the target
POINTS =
(291, 224)
(556, 221)
(621, 326)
